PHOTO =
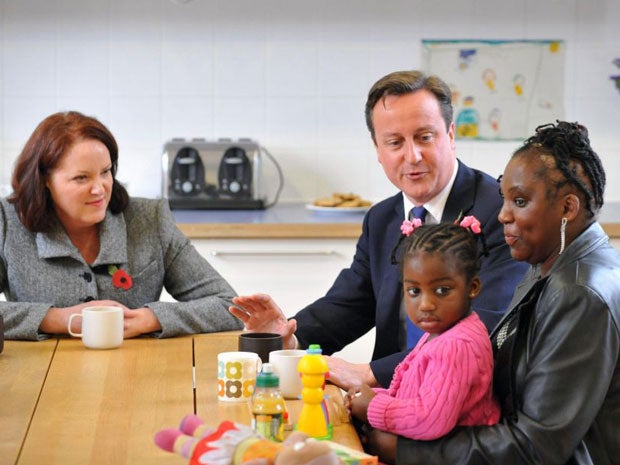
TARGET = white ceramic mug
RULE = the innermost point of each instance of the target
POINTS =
(102, 327)
(236, 375)
(285, 363)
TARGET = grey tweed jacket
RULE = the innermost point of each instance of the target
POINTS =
(39, 271)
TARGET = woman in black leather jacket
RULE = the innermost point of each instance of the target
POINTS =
(557, 374)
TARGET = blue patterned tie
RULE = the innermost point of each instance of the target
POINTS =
(413, 332)
(418, 212)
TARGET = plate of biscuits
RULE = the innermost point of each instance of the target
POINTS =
(340, 202)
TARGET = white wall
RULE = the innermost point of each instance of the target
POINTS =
(291, 74)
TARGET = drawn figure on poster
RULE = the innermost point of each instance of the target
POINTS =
(466, 55)
(489, 76)
(468, 119)
(495, 117)
(519, 83)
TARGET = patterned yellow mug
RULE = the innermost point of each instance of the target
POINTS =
(236, 375)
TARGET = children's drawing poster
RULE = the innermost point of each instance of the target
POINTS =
(500, 89)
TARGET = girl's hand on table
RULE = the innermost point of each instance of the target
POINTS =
(349, 396)
(357, 401)
(259, 313)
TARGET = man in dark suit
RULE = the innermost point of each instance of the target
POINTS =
(409, 116)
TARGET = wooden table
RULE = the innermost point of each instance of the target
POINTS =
(61, 403)
(23, 367)
(103, 407)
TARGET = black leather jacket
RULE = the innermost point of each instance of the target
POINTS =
(565, 373)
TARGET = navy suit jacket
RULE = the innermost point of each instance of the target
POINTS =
(369, 293)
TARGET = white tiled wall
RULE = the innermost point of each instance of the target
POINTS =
(292, 74)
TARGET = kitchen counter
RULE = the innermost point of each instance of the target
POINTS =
(285, 221)
(295, 221)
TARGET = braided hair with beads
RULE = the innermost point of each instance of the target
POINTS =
(448, 239)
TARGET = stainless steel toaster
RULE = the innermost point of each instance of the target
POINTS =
(221, 174)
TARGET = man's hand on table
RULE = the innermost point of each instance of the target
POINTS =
(259, 313)
(347, 375)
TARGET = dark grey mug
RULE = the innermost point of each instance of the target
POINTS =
(260, 343)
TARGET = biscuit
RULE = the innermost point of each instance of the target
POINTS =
(327, 202)
(349, 203)
(342, 200)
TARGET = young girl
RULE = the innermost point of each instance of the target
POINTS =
(447, 379)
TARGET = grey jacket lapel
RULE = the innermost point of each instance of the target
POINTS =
(56, 243)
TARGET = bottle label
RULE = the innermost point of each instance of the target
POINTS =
(269, 425)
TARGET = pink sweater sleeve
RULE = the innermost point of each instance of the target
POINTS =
(431, 392)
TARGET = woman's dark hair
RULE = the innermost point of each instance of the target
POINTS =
(42, 152)
(568, 144)
(407, 82)
(447, 239)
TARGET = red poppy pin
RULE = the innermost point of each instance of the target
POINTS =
(120, 278)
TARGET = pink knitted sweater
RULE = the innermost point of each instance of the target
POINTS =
(442, 383)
